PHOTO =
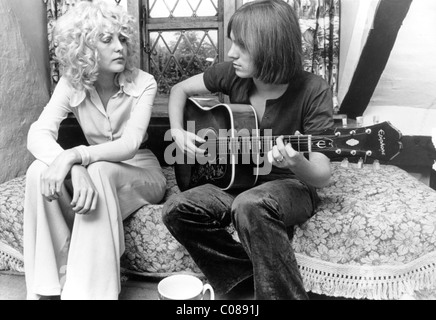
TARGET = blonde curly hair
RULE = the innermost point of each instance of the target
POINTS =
(76, 34)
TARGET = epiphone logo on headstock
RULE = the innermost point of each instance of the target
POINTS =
(321, 144)
(382, 139)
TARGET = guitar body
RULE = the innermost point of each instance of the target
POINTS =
(227, 171)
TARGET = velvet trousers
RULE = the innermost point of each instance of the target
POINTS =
(264, 218)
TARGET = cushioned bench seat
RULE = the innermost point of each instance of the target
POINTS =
(373, 237)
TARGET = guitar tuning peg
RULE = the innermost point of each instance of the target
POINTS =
(360, 163)
(345, 163)
(345, 122)
(376, 119)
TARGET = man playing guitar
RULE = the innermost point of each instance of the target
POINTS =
(265, 72)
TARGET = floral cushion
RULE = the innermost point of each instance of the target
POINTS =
(11, 224)
(150, 248)
(373, 236)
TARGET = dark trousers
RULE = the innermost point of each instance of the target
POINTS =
(263, 216)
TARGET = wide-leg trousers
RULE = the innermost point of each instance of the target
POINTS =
(263, 216)
(78, 256)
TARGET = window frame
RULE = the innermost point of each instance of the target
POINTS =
(180, 23)
(226, 8)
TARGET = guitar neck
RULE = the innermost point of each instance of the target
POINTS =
(380, 141)
(262, 144)
(300, 143)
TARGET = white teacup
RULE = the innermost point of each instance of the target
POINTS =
(183, 287)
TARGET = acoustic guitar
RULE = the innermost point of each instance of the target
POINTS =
(236, 152)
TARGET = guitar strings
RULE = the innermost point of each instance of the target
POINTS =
(248, 145)
(292, 138)
(262, 144)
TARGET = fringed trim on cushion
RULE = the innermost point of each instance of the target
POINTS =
(365, 282)
(10, 259)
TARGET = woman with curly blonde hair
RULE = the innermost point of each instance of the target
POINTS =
(76, 199)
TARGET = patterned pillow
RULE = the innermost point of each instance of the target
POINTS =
(11, 224)
(373, 237)
(150, 248)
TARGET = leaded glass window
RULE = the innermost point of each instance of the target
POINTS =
(182, 38)
(182, 8)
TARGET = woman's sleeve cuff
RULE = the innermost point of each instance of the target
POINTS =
(84, 154)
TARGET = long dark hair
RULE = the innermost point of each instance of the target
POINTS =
(269, 30)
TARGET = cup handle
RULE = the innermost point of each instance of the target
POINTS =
(208, 287)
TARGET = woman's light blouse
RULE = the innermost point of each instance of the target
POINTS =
(114, 134)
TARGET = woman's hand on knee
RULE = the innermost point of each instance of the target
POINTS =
(85, 194)
(51, 184)
(53, 178)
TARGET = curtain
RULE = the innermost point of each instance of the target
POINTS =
(320, 26)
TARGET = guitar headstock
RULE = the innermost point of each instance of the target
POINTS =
(380, 141)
